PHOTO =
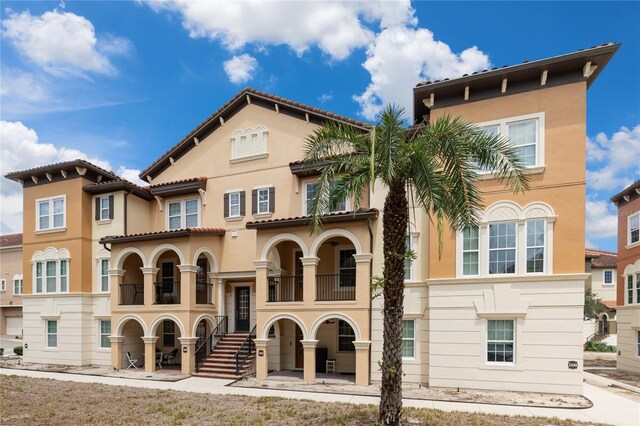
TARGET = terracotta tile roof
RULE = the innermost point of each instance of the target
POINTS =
(628, 191)
(10, 240)
(119, 184)
(73, 163)
(241, 98)
(188, 180)
(611, 304)
(601, 258)
(159, 235)
(305, 220)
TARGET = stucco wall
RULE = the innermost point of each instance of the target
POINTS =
(628, 318)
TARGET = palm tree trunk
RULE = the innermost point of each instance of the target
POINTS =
(395, 221)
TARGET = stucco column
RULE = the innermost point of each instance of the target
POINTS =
(362, 362)
(262, 284)
(363, 276)
(149, 286)
(309, 360)
(215, 295)
(116, 351)
(149, 353)
(188, 358)
(188, 285)
(309, 271)
(115, 279)
(262, 358)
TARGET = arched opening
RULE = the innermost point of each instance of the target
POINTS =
(335, 353)
(285, 283)
(132, 286)
(167, 350)
(167, 282)
(603, 325)
(286, 353)
(204, 288)
(132, 352)
(336, 276)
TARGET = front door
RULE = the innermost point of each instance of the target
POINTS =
(242, 308)
(299, 348)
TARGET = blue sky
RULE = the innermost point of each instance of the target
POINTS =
(120, 82)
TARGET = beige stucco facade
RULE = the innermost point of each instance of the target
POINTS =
(12, 279)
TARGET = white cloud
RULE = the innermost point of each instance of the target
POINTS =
(21, 150)
(325, 97)
(400, 57)
(62, 42)
(240, 68)
(601, 219)
(612, 162)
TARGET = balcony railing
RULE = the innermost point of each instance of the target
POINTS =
(336, 286)
(204, 291)
(167, 293)
(285, 289)
(132, 294)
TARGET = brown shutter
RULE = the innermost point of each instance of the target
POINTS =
(226, 205)
(242, 202)
(272, 200)
(110, 206)
(98, 208)
(254, 201)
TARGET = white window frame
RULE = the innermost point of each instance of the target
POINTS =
(58, 276)
(527, 246)
(102, 275)
(47, 333)
(258, 192)
(104, 213)
(633, 215)
(305, 211)
(515, 248)
(164, 333)
(3, 285)
(338, 336)
(629, 289)
(234, 204)
(513, 342)
(101, 334)
(638, 343)
(463, 251)
(412, 237)
(183, 213)
(50, 201)
(613, 277)
(413, 339)
(503, 129)
(17, 279)
(338, 250)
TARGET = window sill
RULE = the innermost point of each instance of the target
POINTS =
(533, 170)
(249, 158)
(234, 218)
(104, 221)
(633, 245)
(51, 349)
(104, 350)
(500, 367)
(263, 215)
(50, 231)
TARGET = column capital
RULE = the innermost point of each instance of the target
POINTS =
(212, 275)
(261, 343)
(220, 281)
(149, 270)
(309, 343)
(149, 339)
(309, 261)
(188, 340)
(362, 344)
(363, 258)
(116, 272)
(188, 268)
(116, 339)
(261, 264)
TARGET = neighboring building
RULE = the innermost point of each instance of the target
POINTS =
(602, 267)
(219, 244)
(628, 276)
(11, 285)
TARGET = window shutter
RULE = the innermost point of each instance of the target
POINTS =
(272, 200)
(242, 203)
(226, 205)
(98, 208)
(254, 201)
(110, 206)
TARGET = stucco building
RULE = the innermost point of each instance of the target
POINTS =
(11, 285)
(216, 254)
(601, 265)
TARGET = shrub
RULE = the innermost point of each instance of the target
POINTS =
(1, 351)
(598, 346)
(18, 350)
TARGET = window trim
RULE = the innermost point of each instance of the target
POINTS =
(47, 334)
(102, 276)
(338, 250)
(629, 243)
(164, 334)
(101, 334)
(183, 213)
(513, 343)
(613, 277)
(268, 210)
(638, 343)
(527, 247)
(515, 248)
(3, 285)
(407, 338)
(305, 212)
(102, 209)
(463, 251)
(50, 201)
(238, 204)
(18, 279)
(57, 276)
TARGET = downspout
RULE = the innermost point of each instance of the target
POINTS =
(370, 299)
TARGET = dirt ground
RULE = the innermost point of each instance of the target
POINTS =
(627, 377)
(599, 359)
(28, 401)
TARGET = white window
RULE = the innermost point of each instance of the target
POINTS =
(38, 277)
(535, 245)
(3, 285)
(638, 342)
(408, 263)
(17, 286)
(629, 289)
(50, 213)
(501, 341)
(408, 339)
(183, 214)
(310, 191)
(52, 334)
(607, 276)
(104, 275)
(168, 333)
(105, 332)
(470, 251)
(104, 208)
(346, 337)
(502, 248)
(638, 288)
(64, 276)
(51, 276)
(234, 204)
(634, 228)
(263, 200)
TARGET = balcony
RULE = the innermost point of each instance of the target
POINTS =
(167, 293)
(204, 292)
(131, 294)
(333, 287)
(285, 289)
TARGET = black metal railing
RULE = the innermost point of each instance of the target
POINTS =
(167, 293)
(246, 349)
(209, 344)
(336, 286)
(285, 289)
(132, 294)
(204, 293)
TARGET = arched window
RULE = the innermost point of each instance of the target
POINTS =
(50, 271)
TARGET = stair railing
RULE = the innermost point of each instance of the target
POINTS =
(210, 343)
(245, 350)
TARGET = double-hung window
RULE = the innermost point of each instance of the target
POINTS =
(408, 339)
(629, 289)
(51, 213)
(408, 261)
(105, 332)
(347, 265)
(3, 285)
(104, 275)
(183, 214)
(234, 204)
(470, 251)
(502, 248)
(310, 192)
(346, 337)
(104, 208)
(17, 286)
(38, 277)
(638, 343)
(52, 334)
(51, 276)
(535, 245)
(263, 200)
(168, 333)
(500, 341)
(634, 228)
(638, 288)
(607, 277)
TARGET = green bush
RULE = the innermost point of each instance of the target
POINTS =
(17, 350)
(598, 346)
(1, 351)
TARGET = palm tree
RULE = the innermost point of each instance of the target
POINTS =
(436, 166)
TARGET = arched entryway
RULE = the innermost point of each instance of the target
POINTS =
(168, 330)
(132, 330)
(285, 280)
(167, 289)
(132, 287)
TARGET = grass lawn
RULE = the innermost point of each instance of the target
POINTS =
(28, 401)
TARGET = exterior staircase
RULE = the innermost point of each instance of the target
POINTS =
(221, 363)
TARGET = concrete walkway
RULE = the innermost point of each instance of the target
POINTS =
(608, 407)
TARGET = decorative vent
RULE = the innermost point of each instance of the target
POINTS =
(249, 143)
